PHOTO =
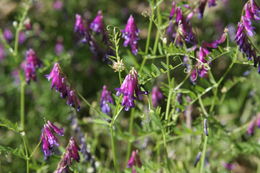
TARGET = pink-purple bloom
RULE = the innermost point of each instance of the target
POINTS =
(79, 26)
(49, 140)
(130, 90)
(97, 24)
(31, 64)
(180, 31)
(134, 160)
(131, 35)
(105, 99)
(71, 153)
(246, 30)
(255, 122)
(157, 96)
(60, 83)
(59, 48)
(229, 166)
(8, 35)
(57, 4)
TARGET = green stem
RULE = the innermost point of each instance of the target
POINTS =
(203, 154)
(158, 30)
(130, 132)
(168, 70)
(22, 89)
(168, 104)
(113, 148)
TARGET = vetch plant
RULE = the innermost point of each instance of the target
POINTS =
(152, 86)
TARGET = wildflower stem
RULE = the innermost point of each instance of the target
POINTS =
(203, 154)
(158, 29)
(22, 89)
(130, 132)
(168, 104)
(113, 148)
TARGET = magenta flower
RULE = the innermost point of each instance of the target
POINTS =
(79, 26)
(255, 122)
(229, 166)
(180, 31)
(243, 42)
(59, 81)
(30, 65)
(22, 37)
(173, 10)
(131, 35)
(59, 48)
(134, 161)
(57, 4)
(212, 3)
(105, 99)
(97, 24)
(49, 140)
(8, 35)
(130, 90)
(157, 96)
(201, 8)
(73, 99)
(71, 153)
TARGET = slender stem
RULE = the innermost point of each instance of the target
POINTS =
(130, 132)
(147, 41)
(168, 70)
(168, 104)
(22, 89)
(158, 30)
(113, 148)
(203, 154)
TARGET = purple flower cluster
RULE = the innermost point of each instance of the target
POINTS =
(71, 153)
(59, 81)
(202, 5)
(83, 30)
(245, 29)
(105, 99)
(130, 90)
(183, 32)
(97, 24)
(253, 123)
(134, 161)
(49, 141)
(229, 166)
(131, 35)
(157, 96)
(201, 68)
(31, 64)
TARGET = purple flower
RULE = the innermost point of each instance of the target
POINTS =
(59, 47)
(201, 8)
(258, 121)
(130, 90)
(57, 4)
(22, 37)
(79, 26)
(194, 75)
(130, 34)
(243, 42)
(229, 166)
(49, 140)
(97, 24)
(134, 161)
(30, 65)
(173, 10)
(73, 99)
(157, 96)
(8, 35)
(59, 81)
(105, 99)
(197, 159)
(71, 153)
(252, 11)
(212, 3)
(27, 24)
(215, 43)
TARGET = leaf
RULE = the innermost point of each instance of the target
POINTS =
(8, 124)
(16, 152)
